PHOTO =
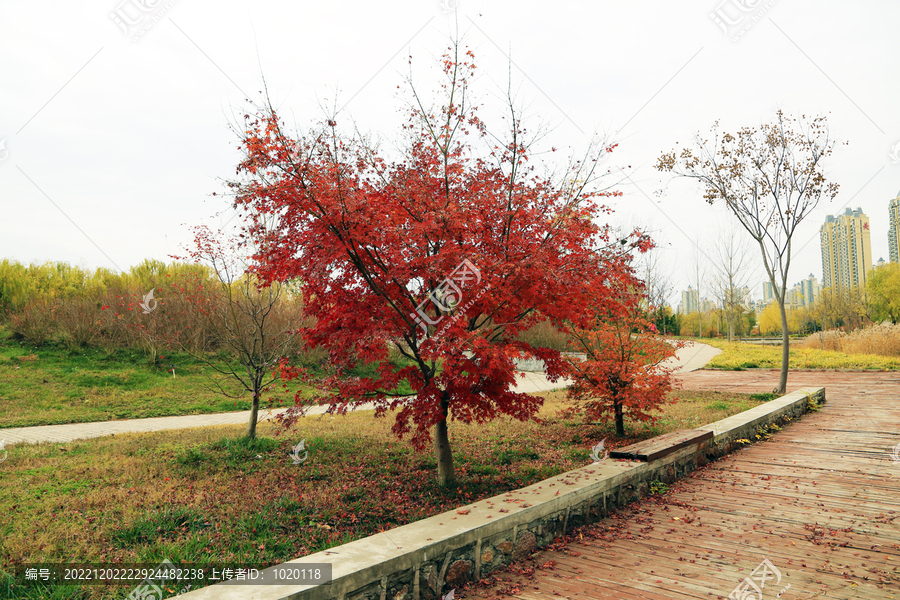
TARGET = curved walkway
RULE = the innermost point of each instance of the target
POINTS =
(693, 356)
(689, 358)
(528, 383)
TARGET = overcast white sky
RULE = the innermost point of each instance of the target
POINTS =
(116, 134)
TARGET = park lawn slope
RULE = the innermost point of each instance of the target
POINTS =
(209, 496)
(51, 385)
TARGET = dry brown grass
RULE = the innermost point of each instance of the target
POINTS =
(881, 339)
(545, 335)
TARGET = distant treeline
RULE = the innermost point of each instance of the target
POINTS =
(56, 302)
(21, 285)
(61, 303)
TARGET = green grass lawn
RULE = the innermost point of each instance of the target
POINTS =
(51, 385)
(738, 356)
(209, 496)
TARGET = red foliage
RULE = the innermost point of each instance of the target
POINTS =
(623, 371)
(446, 253)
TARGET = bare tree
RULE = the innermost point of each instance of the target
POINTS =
(252, 325)
(731, 274)
(697, 272)
(770, 179)
(657, 278)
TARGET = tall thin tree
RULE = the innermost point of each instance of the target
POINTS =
(731, 274)
(771, 178)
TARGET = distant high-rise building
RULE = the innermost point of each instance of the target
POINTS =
(894, 230)
(846, 250)
(769, 292)
(804, 293)
(794, 296)
(809, 290)
(690, 301)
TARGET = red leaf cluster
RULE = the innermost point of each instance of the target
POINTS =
(445, 253)
(623, 372)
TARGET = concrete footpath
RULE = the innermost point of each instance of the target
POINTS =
(690, 358)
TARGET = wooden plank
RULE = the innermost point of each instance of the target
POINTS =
(661, 445)
(819, 501)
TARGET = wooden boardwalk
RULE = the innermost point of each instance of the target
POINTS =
(820, 501)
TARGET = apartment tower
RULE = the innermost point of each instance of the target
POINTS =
(894, 231)
(846, 250)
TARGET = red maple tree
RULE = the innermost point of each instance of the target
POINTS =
(624, 371)
(444, 253)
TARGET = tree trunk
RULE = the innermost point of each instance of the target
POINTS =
(785, 350)
(254, 412)
(442, 453)
(620, 420)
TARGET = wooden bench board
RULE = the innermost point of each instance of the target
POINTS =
(661, 445)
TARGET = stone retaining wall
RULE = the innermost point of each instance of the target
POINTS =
(425, 559)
